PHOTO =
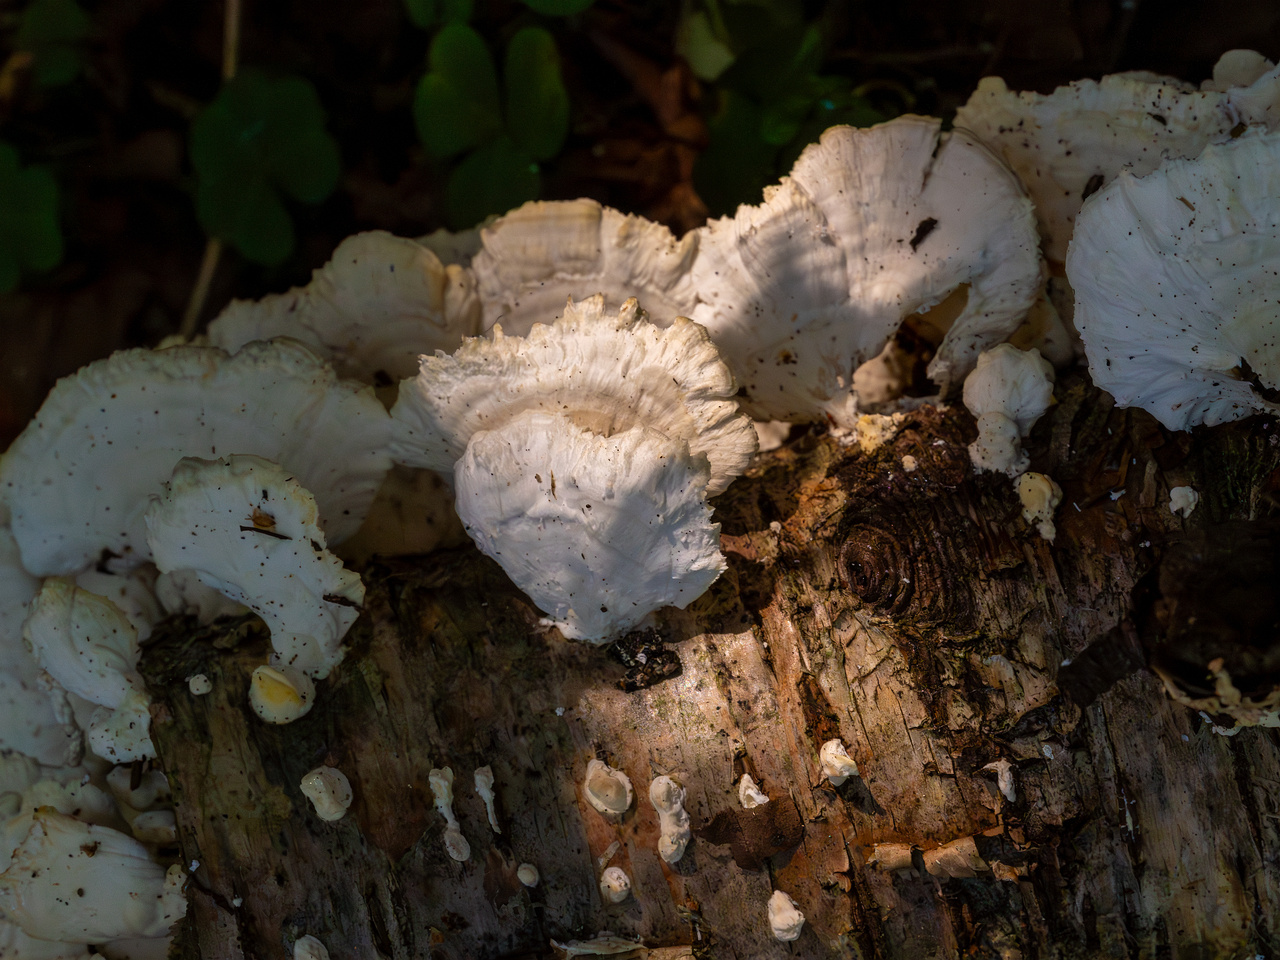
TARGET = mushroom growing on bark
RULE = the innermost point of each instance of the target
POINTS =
(80, 476)
(872, 225)
(583, 456)
(1175, 282)
(1008, 391)
(250, 531)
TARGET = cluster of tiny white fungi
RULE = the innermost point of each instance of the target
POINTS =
(583, 442)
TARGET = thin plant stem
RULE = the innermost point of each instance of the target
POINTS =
(213, 248)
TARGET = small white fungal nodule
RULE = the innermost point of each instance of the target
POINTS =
(749, 795)
(837, 765)
(667, 798)
(455, 844)
(199, 684)
(1182, 500)
(607, 789)
(527, 874)
(329, 792)
(785, 919)
(309, 948)
(484, 787)
(615, 885)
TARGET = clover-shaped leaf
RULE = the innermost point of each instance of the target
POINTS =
(426, 13)
(459, 108)
(30, 237)
(261, 135)
(52, 32)
(456, 106)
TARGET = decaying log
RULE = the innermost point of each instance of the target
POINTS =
(915, 615)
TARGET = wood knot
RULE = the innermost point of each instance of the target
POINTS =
(878, 568)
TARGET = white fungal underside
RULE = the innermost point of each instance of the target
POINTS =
(872, 225)
(79, 478)
(598, 531)
(1176, 284)
(251, 531)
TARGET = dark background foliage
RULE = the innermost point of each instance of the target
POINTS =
(116, 138)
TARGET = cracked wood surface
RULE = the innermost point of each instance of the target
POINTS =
(915, 615)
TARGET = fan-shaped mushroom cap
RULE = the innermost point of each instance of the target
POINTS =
(598, 531)
(608, 790)
(871, 226)
(126, 894)
(80, 476)
(582, 457)
(1067, 144)
(545, 252)
(373, 308)
(606, 372)
(249, 530)
(1175, 284)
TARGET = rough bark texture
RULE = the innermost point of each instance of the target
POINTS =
(915, 615)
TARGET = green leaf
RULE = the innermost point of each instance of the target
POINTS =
(737, 162)
(425, 13)
(37, 210)
(52, 31)
(558, 8)
(494, 179)
(456, 106)
(707, 54)
(261, 135)
(537, 102)
(30, 232)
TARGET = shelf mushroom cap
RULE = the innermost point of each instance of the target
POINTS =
(582, 458)
(606, 371)
(79, 477)
(251, 531)
(871, 226)
(545, 252)
(379, 302)
(1175, 284)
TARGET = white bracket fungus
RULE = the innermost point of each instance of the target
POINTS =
(785, 919)
(615, 885)
(87, 644)
(250, 531)
(159, 827)
(1183, 500)
(667, 798)
(1040, 497)
(455, 844)
(1173, 273)
(871, 226)
(1067, 144)
(583, 456)
(329, 791)
(1008, 391)
(837, 765)
(379, 303)
(959, 858)
(543, 253)
(484, 787)
(527, 874)
(80, 476)
(749, 795)
(280, 695)
(606, 789)
(126, 893)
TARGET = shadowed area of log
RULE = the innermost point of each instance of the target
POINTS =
(1135, 829)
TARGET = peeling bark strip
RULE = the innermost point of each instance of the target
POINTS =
(915, 616)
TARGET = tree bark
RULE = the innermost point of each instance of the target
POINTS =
(915, 615)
